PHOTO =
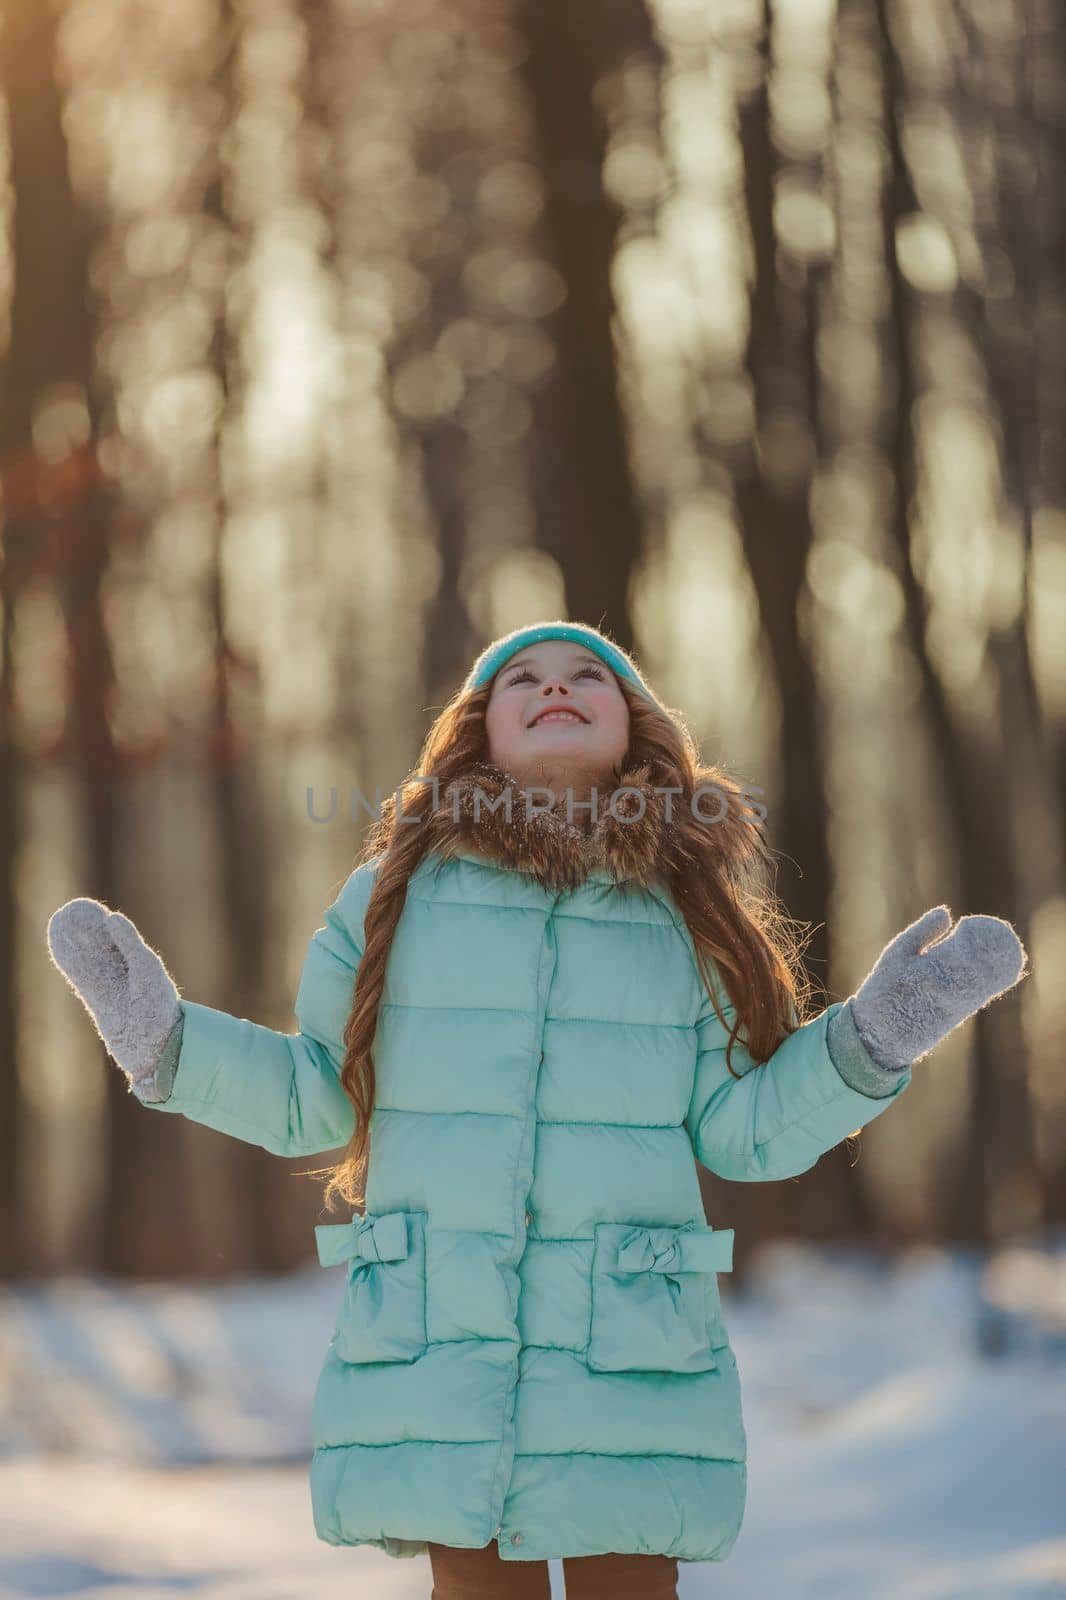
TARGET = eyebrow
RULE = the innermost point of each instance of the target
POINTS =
(578, 659)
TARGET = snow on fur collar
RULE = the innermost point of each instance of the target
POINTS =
(486, 812)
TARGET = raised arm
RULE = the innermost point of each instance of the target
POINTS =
(779, 1117)
(848, 1065)
(281, 1091)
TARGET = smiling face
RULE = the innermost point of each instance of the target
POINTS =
(556, 717)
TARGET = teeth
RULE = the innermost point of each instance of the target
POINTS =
(559, 716)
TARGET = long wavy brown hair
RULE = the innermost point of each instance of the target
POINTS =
(717, 877)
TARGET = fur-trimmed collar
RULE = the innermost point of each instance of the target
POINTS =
(619, 845)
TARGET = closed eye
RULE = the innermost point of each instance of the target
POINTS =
(582, 672)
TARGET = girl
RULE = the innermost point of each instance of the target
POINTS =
(552, 980)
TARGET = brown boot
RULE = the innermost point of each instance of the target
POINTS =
(480, 1575)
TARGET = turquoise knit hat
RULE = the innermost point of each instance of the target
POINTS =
(493, 657)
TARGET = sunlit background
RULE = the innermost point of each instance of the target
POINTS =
(340, 336)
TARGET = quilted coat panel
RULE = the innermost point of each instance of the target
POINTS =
(530, 1343)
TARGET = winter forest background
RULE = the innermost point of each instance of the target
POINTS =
(338, 337)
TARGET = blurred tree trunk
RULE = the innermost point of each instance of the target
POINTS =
(592, 521)
(35, 358)
(441, 143)
(17, 550)
(772, 484)
(14, 1247)
(74, 518)
(1021, 210)
(248, 1175)
(999, 1187)
(1049, 292)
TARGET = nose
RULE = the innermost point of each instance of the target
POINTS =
(554, 683)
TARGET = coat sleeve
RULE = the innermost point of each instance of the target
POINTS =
(280, 1090)
(779, 1117)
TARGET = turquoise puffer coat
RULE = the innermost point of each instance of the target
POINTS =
(530, 1343)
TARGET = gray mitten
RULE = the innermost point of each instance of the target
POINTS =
(929, 980)
(125, 988)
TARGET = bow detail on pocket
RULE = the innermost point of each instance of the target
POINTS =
(673, 1250)
(383, 1312)
(655, 1304)
(365, 1238)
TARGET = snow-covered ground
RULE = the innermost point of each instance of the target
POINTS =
(154, 1439)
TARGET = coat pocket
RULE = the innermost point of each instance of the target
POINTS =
(655, 1304)
(383, 1313)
